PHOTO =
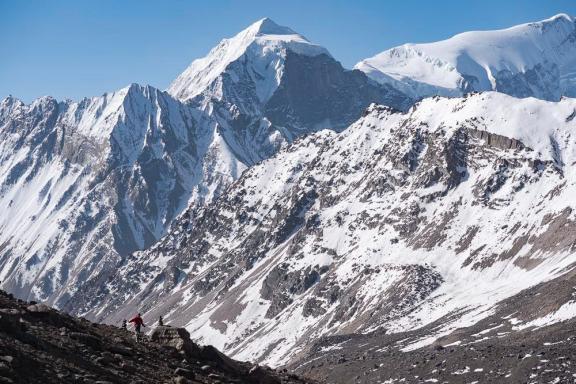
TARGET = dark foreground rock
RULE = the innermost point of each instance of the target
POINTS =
(41, 345)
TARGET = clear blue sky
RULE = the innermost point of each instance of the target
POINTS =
(76, 48)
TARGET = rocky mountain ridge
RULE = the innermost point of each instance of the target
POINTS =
(402, 220)
(226, 206)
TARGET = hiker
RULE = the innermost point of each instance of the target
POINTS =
(160, 321)
(124, 325)
(138, 322)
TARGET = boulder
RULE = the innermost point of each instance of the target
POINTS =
(184, 372)
(38, 309)
(121, 350)
(10, 323)
(10, 311)
(105, 358)
(260, 375)
(127, 366)
(210, 353)
(178, 338)
(86, 339)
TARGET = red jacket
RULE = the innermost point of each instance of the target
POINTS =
(137, 320)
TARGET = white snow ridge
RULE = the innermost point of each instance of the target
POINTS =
(535, 59)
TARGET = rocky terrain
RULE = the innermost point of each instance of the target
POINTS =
(494, 350)
(294, 213)
(41, 345)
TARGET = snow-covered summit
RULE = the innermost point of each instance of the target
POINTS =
(267, 26)
(561, 17)
(268, 85)
(533, 59)
(263, 43)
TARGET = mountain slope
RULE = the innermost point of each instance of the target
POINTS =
(400, 221)
(527, 338)
(535, 59)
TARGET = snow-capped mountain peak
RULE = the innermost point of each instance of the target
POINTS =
(262, 43)
(533, 59)
(268, 85)
(267, 26)
(561, 17)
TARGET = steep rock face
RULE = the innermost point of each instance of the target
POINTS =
(84, 183)
(318, 92)
(399, 221)
(535, 59)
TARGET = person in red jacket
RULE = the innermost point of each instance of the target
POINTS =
(138, 323)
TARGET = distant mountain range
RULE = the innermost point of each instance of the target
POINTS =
(271, 197)
(84, 184)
